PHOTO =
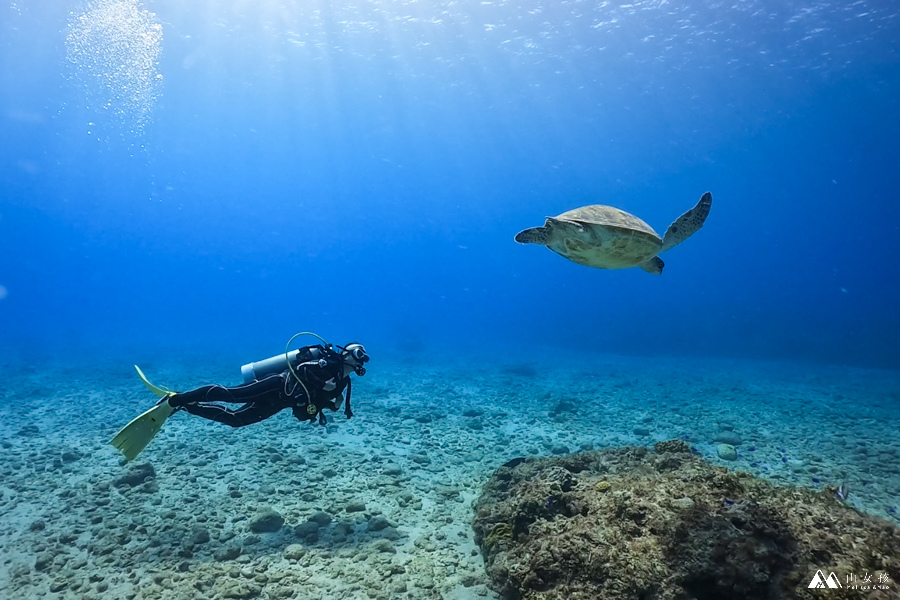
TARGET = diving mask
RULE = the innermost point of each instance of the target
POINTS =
(356, 357)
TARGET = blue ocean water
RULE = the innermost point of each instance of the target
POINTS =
(180, 176)
(186, 184)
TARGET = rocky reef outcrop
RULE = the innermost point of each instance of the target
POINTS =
(662, 524)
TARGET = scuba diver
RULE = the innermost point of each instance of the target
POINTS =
(307, 381)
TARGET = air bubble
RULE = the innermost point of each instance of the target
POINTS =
(114, 48)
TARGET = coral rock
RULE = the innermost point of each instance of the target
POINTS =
(669, 527)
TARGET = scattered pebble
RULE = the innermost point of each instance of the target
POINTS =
(420, 459)
(322, 518)
(29, 431)
(392, 469)
(726, 452)
(266, 520)
(377, 524)
(228, 553)
(307, 529)
(136, 475)
(294, 552)
(728, 437)
(200, 536)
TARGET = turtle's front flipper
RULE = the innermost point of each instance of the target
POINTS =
(687, 224)
(535, 235)
(654, 265)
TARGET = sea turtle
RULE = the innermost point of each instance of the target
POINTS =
(609, 238)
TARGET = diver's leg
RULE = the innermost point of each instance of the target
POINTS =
(268, 388)
(261, 400)
(250, 413)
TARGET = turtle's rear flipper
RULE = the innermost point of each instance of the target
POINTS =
(687, 224)
(535, 235)
(654, 265)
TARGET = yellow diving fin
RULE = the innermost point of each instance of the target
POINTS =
(135, 436)
(160, 392)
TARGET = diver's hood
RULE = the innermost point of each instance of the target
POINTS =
(354, 354)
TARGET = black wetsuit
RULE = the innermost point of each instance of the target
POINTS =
(320, 369)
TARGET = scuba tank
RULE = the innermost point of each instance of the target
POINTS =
(276, 364)
(280, 362)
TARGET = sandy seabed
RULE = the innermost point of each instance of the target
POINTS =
(380, 506)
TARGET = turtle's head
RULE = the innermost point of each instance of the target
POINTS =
(537, 235)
